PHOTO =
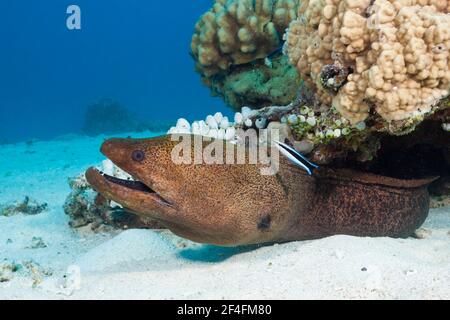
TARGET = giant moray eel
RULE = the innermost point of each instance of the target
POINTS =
(232, 205)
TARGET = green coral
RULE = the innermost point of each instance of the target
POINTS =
(259, 84)
(329, 128)
(323, 127)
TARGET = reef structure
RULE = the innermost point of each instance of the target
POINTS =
(233, 46)
(86, 208)
(363, 69)
(362, 56)
(238, 32)
(257, 84)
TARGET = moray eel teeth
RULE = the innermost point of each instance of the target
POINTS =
(122, 191)
(132, 184)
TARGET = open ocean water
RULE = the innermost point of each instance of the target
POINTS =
(134, 52)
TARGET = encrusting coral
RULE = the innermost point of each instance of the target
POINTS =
(259, 84)
(361, 55)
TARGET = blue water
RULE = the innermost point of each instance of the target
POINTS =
(134, 51)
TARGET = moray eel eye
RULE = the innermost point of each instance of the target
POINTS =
(138, 155)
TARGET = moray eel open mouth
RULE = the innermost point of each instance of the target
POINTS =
(113, 187)
(131, 184)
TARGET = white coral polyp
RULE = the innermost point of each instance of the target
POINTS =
(218, 126)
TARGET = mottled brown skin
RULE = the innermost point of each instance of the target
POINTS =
(232, 205)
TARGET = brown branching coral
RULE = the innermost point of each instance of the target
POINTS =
(389, 56)
(237, 32)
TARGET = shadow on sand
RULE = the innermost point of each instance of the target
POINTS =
(214, 254)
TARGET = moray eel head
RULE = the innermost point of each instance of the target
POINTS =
(217, 204)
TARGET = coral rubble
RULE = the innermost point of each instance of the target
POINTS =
(26, 268)
(7, 270)
(27, 207)
(361, 56)
(87, 208)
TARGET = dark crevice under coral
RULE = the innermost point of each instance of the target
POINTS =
(424, 153)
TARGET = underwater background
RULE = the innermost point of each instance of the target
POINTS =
(130, 72)
(134, 52)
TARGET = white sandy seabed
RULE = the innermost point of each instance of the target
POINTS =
(144, 264)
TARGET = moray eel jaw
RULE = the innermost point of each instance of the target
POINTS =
(135, 196)
(148, 195)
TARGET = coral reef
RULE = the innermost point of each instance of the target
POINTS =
(107, 116)
(237, 49)
(216, 127)
(388, 57)
(87, 208)
(237, 32)
(327, 137)
(27, 207)
(259, 84)
(369, 69)
(364, 75)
